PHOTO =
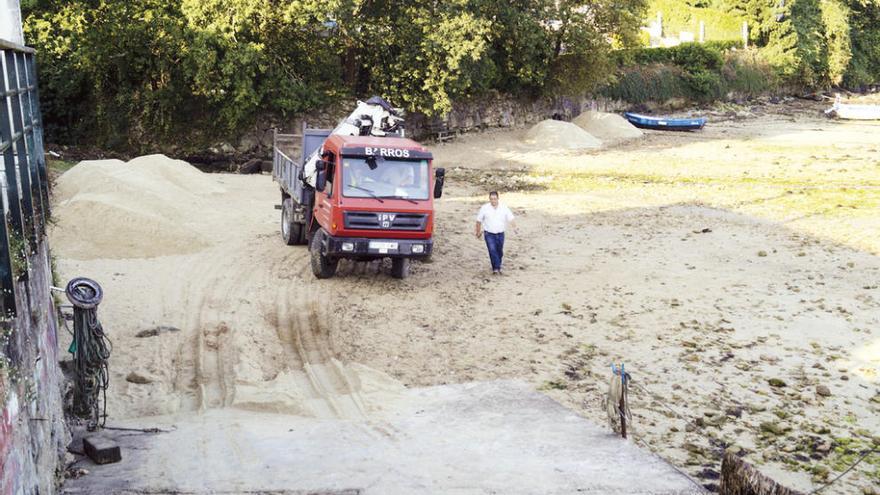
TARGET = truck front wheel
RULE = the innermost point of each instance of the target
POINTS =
(322, 265)
(291, 230)
(399, 267)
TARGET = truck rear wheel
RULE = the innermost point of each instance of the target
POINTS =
(291, 230)
(322, 266)
(399, 267)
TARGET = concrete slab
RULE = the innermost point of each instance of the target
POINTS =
(478, 438)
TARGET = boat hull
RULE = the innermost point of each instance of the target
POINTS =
(661, 124)
(856, 112)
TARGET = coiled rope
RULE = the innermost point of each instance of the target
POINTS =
(91, 352)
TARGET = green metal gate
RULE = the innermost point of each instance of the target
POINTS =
(25, 195)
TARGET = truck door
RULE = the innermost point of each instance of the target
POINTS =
(323, 199)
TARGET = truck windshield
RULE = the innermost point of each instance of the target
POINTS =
(405, 179)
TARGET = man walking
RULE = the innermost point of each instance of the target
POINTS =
(492, 219)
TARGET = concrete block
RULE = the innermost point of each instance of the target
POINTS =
(101, 450)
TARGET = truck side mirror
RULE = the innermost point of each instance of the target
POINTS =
(440, 176)
(321, 175)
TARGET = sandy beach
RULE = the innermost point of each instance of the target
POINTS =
(734, 271)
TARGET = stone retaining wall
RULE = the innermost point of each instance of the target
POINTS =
(477, 114)
(500, 111)
(33, 435)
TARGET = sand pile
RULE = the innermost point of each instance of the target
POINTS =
(144, 208)
(609, 127)
(558, 134)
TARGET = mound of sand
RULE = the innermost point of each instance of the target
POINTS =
(558, 134)
(144, 208)
(155, 174)
(609, 127)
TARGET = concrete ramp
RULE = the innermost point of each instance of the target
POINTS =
(478, 438)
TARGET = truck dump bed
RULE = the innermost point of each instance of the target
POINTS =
(289, 156)
(289, 145)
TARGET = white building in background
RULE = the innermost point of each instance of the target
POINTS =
(10, 21)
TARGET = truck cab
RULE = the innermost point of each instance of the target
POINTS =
(371, 198)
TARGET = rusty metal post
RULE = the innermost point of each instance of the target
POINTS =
(622, 404)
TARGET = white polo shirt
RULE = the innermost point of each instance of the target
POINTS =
(494, 220)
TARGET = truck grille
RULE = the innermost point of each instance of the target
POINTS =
(368, 220)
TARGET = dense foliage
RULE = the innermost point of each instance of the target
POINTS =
(794, 44)
(679, 15)
(814, 43)
(864, 66)
(690, 72)
(142, 71)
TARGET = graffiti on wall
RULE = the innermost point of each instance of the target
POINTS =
(7, 456)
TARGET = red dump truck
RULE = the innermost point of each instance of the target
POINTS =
(361, 191)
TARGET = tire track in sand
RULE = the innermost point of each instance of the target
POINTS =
(219, 279)
(304, 334)
(205, 373)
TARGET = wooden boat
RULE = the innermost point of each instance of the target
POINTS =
(854, 112)
(663, 124)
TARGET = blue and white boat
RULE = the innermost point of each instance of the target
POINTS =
(664, 124)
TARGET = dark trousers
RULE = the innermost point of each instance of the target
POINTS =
(495, 243)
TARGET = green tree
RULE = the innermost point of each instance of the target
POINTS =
(137, 73)
(248, 55)
(111, 69)
(816, 42)
(421, 55)
(520, 45)
(835, 19)
(864, 65)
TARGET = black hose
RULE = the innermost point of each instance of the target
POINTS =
(91, 352)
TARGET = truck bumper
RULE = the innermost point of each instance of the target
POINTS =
(362, 247)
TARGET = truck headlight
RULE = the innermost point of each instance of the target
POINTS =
(348, 246)
(418, 248)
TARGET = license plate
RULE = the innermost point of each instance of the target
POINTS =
(383, 247)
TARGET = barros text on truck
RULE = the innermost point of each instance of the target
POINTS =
(394, 152)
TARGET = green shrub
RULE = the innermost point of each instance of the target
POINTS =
(723, 46)
(704, 85)
(697, 56)
(641, 84)
(745, 74)
(663, 82)
(697, 78)
(689, 56)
